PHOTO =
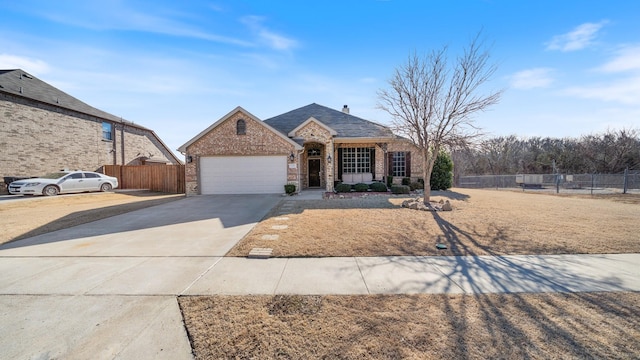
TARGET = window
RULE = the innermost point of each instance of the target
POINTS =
(356, 160)
(74, 176)
(107, 131)
(313, 152)
(91, 175)
(399, 164)
(241, 127)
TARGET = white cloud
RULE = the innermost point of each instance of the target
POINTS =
(577, 39)
(624, 91)
(266, 36)
(627, 59)
(532, 78)
(118, 15)
(33, 66)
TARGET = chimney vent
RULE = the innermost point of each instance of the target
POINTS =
(345, 109)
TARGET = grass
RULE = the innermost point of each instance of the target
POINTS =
(506, 326)
(483, 222)
(514, 326)
(40, 215)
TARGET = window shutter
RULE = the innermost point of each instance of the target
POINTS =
(389, 163)
(340, 163)
(372, 162)
(407, 163)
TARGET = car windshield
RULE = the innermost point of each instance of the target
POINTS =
(55, 175)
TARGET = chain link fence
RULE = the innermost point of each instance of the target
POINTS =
(628, 182)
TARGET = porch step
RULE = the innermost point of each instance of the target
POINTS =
(260, 253)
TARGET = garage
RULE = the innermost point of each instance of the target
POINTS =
(243, 174)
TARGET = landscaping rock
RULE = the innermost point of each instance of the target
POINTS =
(260, 253)
(415, 204)
(418, 204)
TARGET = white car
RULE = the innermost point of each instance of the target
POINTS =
(63, 182)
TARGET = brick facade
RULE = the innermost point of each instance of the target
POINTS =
(416, 158)
(316, 137)
(38, 138)
(223, 139)
(381, 166)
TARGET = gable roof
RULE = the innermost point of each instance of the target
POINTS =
(332, 132)
(345, 125)
(20, 83)
(183, 148)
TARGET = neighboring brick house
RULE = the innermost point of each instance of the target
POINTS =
(43, 129)
(311, 147)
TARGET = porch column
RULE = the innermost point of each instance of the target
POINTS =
(329, 177)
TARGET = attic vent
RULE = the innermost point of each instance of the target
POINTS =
(20, 89)
(27, 76)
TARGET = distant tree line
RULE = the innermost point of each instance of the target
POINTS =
(606, 153)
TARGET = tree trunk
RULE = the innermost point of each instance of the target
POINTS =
(426, 175)
(427, 185)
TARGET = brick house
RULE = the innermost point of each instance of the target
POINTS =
(43, 129)
(312, 147)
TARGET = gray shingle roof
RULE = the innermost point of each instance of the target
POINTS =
(346, 125)
(19, 82)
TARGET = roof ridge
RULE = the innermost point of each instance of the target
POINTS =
(342, 122)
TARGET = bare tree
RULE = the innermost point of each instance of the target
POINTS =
(432, 100)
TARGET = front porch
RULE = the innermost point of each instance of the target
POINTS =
(316, 170)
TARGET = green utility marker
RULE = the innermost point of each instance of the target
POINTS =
(441, 246)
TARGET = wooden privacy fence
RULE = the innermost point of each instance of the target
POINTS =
(163, 178)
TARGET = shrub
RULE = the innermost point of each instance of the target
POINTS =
(406, 181)
(343, 188)
(416, 185)
(378, 187)
(360, 187)
(389, 181)
(290, 188)
(400, 189)
(442, 174)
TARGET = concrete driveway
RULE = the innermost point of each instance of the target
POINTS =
(107, 289)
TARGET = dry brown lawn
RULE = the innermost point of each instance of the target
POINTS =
(515, 326)
(483, 222)
(40, 215)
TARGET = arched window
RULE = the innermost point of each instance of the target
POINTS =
(241, 127)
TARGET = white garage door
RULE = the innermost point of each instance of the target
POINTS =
(243, 174)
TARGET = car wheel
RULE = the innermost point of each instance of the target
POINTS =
(50, 190)
(105, 187)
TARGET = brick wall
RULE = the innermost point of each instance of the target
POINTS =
(138, 145)
(37, 138)
(416, 158)
(316, 136)
(224, 140)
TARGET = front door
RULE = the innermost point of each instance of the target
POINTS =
(314, 172)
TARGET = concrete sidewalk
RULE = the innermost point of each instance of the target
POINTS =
(427, 274)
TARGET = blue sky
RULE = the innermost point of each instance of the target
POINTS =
(568, 67)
